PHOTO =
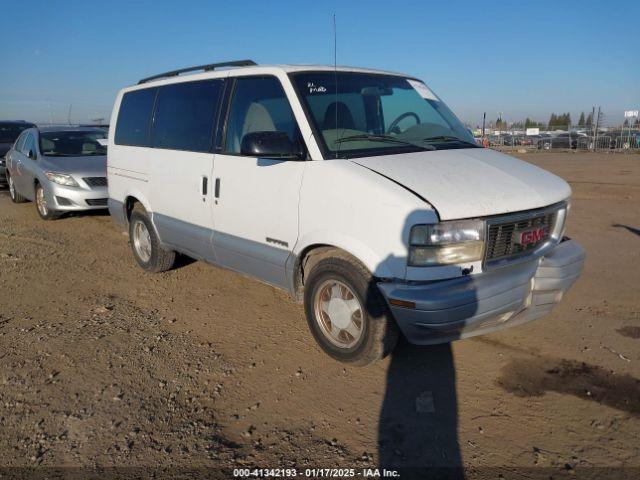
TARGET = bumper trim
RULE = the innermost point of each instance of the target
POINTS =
(476, 304)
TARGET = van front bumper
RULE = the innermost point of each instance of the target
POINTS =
(477, 304)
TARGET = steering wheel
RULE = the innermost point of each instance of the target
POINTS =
(395, 123)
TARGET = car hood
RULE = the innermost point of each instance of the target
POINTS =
(474, 182)
(88, 165)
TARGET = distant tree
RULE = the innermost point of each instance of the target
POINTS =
(589, 121)
(528, 123)
(626, 122)
(559, 122)
(581, 120)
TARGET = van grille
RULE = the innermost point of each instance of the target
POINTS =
(96, 181)
(503, 234)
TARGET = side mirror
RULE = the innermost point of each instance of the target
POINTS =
(270, 145)
(32, 154)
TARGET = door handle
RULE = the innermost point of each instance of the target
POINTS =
(205, 185)
(217, 188)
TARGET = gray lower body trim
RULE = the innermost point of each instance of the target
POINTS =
(477, 304)
(264, 262)
(116, 210)
(253, 258)
(190, 239)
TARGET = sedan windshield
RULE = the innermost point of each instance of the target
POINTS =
(71, 143)
(362, 114)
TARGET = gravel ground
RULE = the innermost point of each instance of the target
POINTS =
(199, 370)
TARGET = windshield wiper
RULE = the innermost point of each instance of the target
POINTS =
(448, 138)
(381, 139)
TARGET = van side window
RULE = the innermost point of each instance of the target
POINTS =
(185, 115)
(134, 118)
(259, 105)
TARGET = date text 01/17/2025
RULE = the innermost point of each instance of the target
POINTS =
(314, 473)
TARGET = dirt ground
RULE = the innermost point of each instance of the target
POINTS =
(200, 369)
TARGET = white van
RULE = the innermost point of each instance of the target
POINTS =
(358, 191)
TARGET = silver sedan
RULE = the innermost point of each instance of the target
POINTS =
(62, 169)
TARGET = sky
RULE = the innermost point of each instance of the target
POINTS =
(67, 59)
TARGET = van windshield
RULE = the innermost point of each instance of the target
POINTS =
(363, 114)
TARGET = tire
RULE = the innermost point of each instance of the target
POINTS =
(13, 193)
(42, 208)
(145, 243)
(376, 330)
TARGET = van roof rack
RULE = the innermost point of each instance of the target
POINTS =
(206, 68)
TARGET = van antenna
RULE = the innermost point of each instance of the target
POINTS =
(335, 77)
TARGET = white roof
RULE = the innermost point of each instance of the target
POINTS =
(258, 70)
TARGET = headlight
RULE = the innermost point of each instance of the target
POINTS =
(446, 243)
(61, 178)
(561, 222)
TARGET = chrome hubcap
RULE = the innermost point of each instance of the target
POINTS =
(41, 202)
(142, 241)
(12, 188)
(339, 313)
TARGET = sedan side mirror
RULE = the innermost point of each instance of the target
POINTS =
(32, 154)
(270, 145)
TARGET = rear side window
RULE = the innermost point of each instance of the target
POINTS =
(185, 115)
(29, 144)
(20, 142)
(134, 118)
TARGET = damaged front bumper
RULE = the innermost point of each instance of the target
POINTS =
(477, 304)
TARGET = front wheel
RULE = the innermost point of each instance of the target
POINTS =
(44, 210)
(346, 312)
(13, 192)
(146, 244)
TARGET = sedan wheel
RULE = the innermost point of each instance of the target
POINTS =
(41, 202)
(13, 193)
(44, 210)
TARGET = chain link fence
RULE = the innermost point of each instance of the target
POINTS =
(571, 138)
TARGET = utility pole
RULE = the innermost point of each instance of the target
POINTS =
(484, 119)
(596, 130)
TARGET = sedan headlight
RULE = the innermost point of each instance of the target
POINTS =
(61, 178)
(446, 243)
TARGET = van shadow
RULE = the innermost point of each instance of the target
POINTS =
(418, 424)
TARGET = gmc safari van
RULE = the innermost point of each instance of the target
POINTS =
(357, 191)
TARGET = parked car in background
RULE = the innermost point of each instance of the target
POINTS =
(567, 140)
(358, 191)
(9, 132)
(62, 169)
(542, 141)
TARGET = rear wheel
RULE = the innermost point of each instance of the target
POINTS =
(44, 210)
(15, 196)
(146, 244)
(346, 312)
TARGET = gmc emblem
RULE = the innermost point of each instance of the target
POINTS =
(529, 237)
